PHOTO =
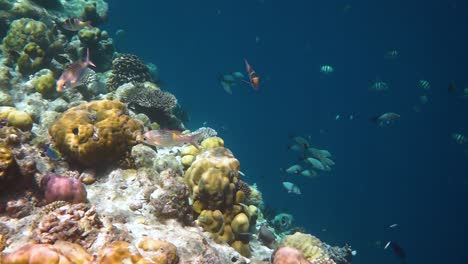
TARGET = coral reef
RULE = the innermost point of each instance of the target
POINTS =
(77, 223)
(16, 118)
(172, 199)
(283, 222)
(212, 179)
(61, 252)
(150, 99)
(95, 133)
(127, 68)
(288, 255)
(311, 247)
(100, 44)
(61, 188)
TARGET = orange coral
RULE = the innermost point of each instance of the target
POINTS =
(159, 251)
(59, 253)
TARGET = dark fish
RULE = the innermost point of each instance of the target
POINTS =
(398, 251)
(451, 87)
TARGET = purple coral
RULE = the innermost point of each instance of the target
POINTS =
(60, 188)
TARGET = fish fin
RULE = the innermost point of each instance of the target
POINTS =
(88, 61)
(88, 24)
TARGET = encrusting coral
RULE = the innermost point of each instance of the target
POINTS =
(95, 133)
(61, 188)
(127, 68)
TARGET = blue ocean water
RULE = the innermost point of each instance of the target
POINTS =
(411, 173)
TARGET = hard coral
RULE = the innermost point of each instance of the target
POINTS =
(77, 223)
(59, 253)
(60, 188)
(31, 59)
(127, 68)
(159, 251)
(288, 255)
(28, 36)
(312, 248)
(95, 133)
(212, 182)
(7, 163)
(120, 252)
(101, 46)
(172, 199)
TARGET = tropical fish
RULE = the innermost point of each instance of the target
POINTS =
(398, 251)
(424, 84)
(291, 188)
(253, 77)
(451, 87)
(308, 173)
(392, 54)
(315, 163)
(296, 147)
(227, 81)
(75, 74)
(169, 138)
(74, 24)
(423, 99)
(459, 138)
(294, 169)
(53, 153)
(386, 118)
(393, 225)
(301, 141)
(379, 86)
(326, 69)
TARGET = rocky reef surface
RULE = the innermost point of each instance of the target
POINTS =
(78, 186)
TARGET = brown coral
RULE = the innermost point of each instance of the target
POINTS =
(312, 248)
(95, 133)
(159, 251)
(61, 253)
(128, 68)
(78, 223)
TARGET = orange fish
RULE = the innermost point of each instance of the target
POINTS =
(74, 74)
(253, 77)
(169, 138)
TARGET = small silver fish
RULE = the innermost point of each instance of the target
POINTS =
(292, 188)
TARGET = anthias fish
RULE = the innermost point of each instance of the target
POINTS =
(74, 24)
(74, 74)
(253, 77)
(169, 138)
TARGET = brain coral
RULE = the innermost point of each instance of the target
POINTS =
(310, 246)
(95, 133)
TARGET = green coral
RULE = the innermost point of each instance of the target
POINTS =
(45, 84)
(31, 59)
(25, 31)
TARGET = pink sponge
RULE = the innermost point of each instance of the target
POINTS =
(288, 255)
(60, 188)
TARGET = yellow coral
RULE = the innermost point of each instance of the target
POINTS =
(95, 133)
(45, 84)
(211, 221)
(59, 253)
(159, 251)
(242, 247)
(120, 252)
(240, 223)
(309, 245)
(212, 142)
(7, 162)
(20, 119)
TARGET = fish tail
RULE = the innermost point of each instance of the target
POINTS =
(88, 24)
(374, 119)
(88, 61)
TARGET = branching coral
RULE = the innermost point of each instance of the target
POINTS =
(78, 223)
(127, 68)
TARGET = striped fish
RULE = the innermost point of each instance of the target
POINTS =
(74, 24)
